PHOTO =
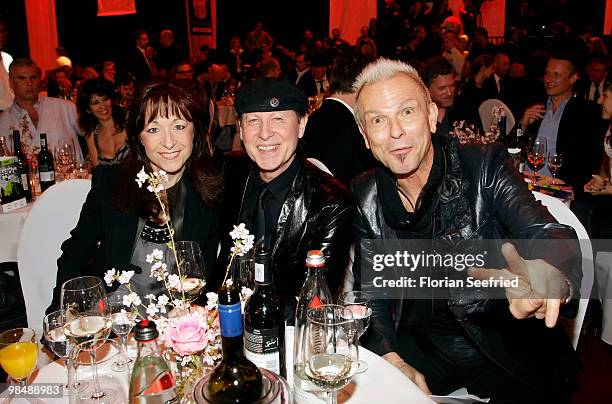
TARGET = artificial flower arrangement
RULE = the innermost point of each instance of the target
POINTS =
(190, 334)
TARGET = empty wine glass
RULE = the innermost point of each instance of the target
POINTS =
(331, 357)
(360, 304)
(537, 157)
(555, 161)
(65, 158)
(123, 320)
(53, 327)
(88, 319)
(191, 282)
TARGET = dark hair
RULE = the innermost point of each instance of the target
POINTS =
(480, 62)
(167, 98)
(102, 88)
(24, 62)
(138, 33)
(345, 70)
(436, 66)
(568, 57)
(482, 31)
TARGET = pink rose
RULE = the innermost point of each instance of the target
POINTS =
(188, 336)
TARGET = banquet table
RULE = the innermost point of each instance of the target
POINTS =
(382, 382)
(11, 224)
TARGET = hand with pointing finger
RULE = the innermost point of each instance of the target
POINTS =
(541, 291)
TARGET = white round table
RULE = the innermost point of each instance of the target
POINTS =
(381, 383)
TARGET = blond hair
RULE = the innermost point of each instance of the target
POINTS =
(382, 69)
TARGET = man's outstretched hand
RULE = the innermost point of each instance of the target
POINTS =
(542, 287)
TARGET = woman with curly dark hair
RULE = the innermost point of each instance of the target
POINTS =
(103, 122)
(121, 223)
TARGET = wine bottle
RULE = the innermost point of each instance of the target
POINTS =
(4, 152)
(264, 320)
(501, 126)
(314, 293)
(46, 167)
(235, 379)
(22, 165)
(151, 380)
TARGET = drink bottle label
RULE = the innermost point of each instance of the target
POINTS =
(261, 347)
(315, 302)
(47, 176)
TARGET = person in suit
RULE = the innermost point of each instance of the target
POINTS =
(138, 63)
(120, 222)
(314, 81)
(494, 86)
(570, 125)
(287, 203)
(331, 134)
(592, 87)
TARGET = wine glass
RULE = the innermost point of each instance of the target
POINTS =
(18, 353)
(191, 281)
(555, 161)
(64, 158)
(123, 321)
(53, 327)
(360, 304)
(537, 157)
(88, 319)
(330, 355)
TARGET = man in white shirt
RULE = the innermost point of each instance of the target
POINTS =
(451, 53)
(6, 93)
(32, 114)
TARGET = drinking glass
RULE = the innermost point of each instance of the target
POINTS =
(18, 353)
(331, 357)
(104, 351)
(555, 161)
(123, 321)
(88, 319)
(53, 327)
(537, 157)
(191, 281)
(64, 158)
(360, 304)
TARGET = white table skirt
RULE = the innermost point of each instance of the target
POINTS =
(603, 276)
(11, 224)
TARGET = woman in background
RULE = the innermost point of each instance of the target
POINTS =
(103, 123)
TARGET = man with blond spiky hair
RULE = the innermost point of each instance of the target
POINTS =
(426, 188)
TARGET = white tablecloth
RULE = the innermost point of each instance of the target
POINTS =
(11, 224)
(603, 276)
(381, 383)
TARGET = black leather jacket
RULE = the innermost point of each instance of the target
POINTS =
(316, 214)
(482, 196)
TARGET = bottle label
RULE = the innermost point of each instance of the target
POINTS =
(259, 273)
(230, 318)
(24, 182)
(261, 348)
(47, 176)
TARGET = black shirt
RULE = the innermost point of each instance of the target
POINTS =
(273, 199)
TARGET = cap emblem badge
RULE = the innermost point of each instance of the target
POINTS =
(274, 102)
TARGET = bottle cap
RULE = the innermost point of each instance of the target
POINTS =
(315, 258)
(145, 330)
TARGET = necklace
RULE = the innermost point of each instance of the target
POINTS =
(405, 196)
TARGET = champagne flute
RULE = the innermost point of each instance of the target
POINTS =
(53, 327)
(360, 304)
(19, 353)
(331, 357)
(555, 161)
(191, 281)
(537, 157)
(88, 319)
(123, 321)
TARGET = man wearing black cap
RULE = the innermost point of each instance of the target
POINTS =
(290, 205)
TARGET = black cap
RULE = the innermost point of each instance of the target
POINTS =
(270, 94)
(145, 330)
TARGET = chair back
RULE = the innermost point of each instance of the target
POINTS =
(319, 164)
(54, 214)
(487, 119)
(564, 215)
